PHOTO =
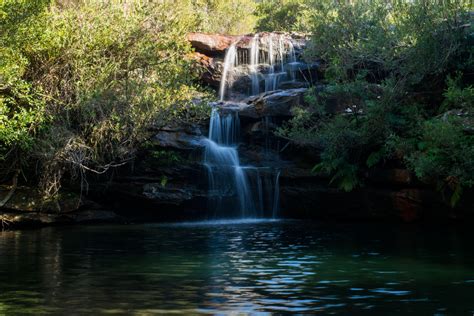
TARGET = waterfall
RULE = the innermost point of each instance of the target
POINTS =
(230, 61)
(270, 80)
(224, 130)
(226, 176)
(254, 61)
(269, 57)
(260, 191)
(276, 195)
(281, 51)
(284, 55)
(237, 190)
(234, 189)
(292, 60)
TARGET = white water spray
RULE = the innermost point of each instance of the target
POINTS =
(254, 62)
(230, 61)
(226, 175)
(234, 189)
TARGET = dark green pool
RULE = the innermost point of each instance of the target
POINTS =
(251, 267)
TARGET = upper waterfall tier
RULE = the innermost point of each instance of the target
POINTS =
(269, 60)
(248, 65)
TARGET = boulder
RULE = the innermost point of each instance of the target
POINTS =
(293, 85)
(22, 219)
(158, 192)
(216, 44)
(277, 103)
(178, 140)
(226, 107)
(261, 128)
(210, 72)
(210, 44)
(27, 199)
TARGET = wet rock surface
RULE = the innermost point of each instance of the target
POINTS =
(26, 208)
(178, 140)
(34, 219)
(277, 103)
(168, 180)
(210, 50)
(155, 191)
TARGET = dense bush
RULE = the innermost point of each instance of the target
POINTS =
(224, 16)
(22, 105)
(394, 69)
(81, 83)
(284, 15)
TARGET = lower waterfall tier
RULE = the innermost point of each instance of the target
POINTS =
(236, 190)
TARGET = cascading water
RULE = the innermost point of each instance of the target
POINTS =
(244, 191)
(270, 80)
(230, 61)
(226, 176)
(284, 54)
(254, 60)
(224, 130)
(271, 58)
(273, 78)
(292, 60)
(237, 190)
(276, 195)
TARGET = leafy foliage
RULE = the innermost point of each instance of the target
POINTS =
(284, 15)
(443, 151)
(224, 16)
(385, 73)
(457, 96)
(82, 83)
(22, 105)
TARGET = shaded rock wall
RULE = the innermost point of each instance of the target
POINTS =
(391, 193)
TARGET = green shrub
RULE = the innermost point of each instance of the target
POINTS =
(22, 104)
(444, 154)
(84, 82)
(283, 15)
(224, 16)
(456, 96)
(385, 73)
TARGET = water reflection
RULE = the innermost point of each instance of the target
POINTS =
(250, 267)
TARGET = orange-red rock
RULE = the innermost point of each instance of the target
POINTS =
(210, 43)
